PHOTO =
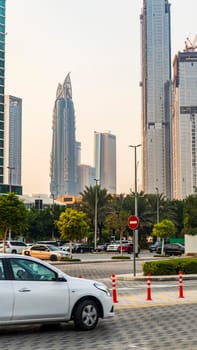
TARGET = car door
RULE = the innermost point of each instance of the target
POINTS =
(40, 252)
(37, 294)
(6, 295)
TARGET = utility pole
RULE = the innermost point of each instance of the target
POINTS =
(10, 177)
(136, 200)
(10, 190)
(95, 214)
(157, 190)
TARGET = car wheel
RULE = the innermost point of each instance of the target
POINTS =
(81, 251)
(86, 315)
(53, 258)
(27, 253)
(14, 251)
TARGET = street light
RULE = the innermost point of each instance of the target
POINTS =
(95, 215)
(10, 177)
(157, 190)
(10, 190)
(136, 203)
(53, 215)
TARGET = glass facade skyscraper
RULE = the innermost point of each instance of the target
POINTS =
(64, 152)
(156, 97)
(105, 160)
(13, 140)
(2, 77)
(184, 124)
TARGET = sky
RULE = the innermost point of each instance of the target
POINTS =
(98, 41)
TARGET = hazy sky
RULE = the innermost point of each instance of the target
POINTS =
(98, 41)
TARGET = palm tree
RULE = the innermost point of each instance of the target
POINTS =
(88, 198)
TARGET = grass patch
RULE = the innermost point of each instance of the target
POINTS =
(120, 257)
(70, 259)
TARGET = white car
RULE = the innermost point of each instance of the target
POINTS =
(11, 246)
(33, 291)
(113, 246)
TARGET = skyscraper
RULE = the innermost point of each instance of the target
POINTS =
(63, 170)
(86, 175)
(2, 77)
(13, 140)
(184, 123)
(105, 160)
(156, 97)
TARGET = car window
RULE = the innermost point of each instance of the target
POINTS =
(2, 275)
(28, 270)
(36, 247)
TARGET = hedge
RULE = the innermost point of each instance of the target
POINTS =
(170, 267)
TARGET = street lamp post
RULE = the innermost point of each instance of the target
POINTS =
(10, 177)
(136, 201)
(53, 215)
(10, 190)
(95, 215)
(157, 190)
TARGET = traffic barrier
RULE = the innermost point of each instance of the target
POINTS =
(181, 285)
(148, 287)
(114, 293)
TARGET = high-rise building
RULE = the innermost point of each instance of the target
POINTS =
(86, 175)
(156, 97)
(105, 160)
(12, 140)
(2, 82)
(184, 123)
(63, 169)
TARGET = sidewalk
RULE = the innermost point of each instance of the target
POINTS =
(165, 298)
(152, 297)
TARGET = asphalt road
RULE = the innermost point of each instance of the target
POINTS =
(171, 327)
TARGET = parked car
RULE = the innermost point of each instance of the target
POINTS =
(172, 249)
(154, 246)
(126, 247)
(50, 242)
(102, 247)
(113, 246)
(45, 252)
(14, 247)
(34, 291)
(82, 248)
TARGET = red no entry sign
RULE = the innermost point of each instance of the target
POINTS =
(133, 222)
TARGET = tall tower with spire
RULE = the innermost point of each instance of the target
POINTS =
(63, 167)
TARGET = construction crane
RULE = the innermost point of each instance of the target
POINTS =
(191, 46)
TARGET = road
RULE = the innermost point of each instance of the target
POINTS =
(139, 326)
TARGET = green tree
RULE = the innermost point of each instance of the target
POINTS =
(88, 198)
(41, 223)
(118, 220)
(164, 229)
(190, 215)
(13, 215)
(73, 225)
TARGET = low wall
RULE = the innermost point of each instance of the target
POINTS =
(190, 245)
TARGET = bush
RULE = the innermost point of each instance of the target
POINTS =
(170, 267)
(120, 257)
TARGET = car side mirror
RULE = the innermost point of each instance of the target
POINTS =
(61, 278)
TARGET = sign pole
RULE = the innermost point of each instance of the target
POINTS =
(134, 255)
(133, 223)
